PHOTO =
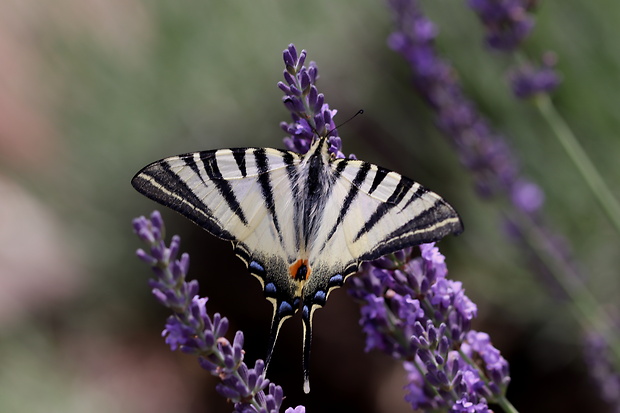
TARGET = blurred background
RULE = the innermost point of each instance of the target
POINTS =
(93, 90)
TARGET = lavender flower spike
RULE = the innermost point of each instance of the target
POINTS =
(413, 312)
(193, 331)
(310, 114)
(507, 21)
(528, 81)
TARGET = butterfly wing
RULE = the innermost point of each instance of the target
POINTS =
(388, 212)
(247, 196)
(370, 212)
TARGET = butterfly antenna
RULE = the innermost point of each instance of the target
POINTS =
(359, 112)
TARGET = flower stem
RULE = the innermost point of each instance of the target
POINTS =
(506, 405)
(588, 313)
(581, 160)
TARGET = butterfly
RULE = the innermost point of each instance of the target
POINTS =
(301, 223)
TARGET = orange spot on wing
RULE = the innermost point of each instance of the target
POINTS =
(294, 269)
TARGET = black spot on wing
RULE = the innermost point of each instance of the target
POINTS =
(342, 163)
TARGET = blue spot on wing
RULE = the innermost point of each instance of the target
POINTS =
(285, 308)
(336, 280)
(270, 288)
(257, 268)
(320, 297)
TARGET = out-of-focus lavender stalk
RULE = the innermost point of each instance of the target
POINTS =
(410, 310)
(605, 376)
(529, 81)
(193, 331)
(507, 23)
(484, 152)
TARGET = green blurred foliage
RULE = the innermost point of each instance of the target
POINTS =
(126, 83)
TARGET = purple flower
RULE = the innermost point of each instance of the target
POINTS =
(298, 409)
(527, 196)
(193, 331)
(528, 81)
(411, 311)
(507, 21)
(606, 378)
(481, 150)
(478, 346)
(465, 405)
(311, 115)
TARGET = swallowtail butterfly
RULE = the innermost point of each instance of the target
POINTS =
(301, 224)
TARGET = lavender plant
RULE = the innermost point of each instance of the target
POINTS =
(413, 312)
(310, 114)
(192, 330)
(486, 154)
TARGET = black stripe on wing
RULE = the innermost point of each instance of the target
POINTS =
(159, 183)
(239, 155)
(379, 177)
(264, 180)
(222, 185)
(293, 177)
(431, 225)
(416, 195)
(404, 185)
(351, 195)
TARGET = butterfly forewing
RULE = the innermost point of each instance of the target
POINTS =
(391, 212)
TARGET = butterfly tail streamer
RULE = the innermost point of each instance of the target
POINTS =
(307, 322)
(280, 314)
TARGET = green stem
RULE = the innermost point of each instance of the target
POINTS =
(506, 405)
(587, 311)
(581, 160)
